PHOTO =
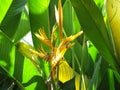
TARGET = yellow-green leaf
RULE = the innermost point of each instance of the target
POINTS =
(113, 12)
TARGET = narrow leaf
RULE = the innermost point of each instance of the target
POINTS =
(94, 27)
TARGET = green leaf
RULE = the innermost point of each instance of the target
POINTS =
(92, 51)
(52, 19)
(29, 71)
(8, 82)
(23, 27)
(12, 18)
(38, 81)
(77, 54)
(39, 18)
(6, 53)
(76, 24)
(86, 60)
(4, 6)
(94, 80)
(95, 28)
(18, 66)
(38, 6)
(68, 18)
(69, 85)
(111, 80)
(99, 3)
(27, 68)
(52, 5)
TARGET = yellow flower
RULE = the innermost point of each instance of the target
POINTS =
(42, 36)
(57, 52)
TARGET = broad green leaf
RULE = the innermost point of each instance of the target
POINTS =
(76, 24)
(7, 59)
(12, 18)
(68, 21)
(94, 27)
(68, 18)
(4, 6)
(18, 66)
(29, 71)
(38, 6)
(7, 53)
(23, 27)
(39, 18)
(77, 50)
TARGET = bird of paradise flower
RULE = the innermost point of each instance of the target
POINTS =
(56, 55)
(57, 52)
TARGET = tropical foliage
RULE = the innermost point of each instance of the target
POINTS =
(37, 51)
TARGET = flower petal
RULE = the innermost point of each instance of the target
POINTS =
(42, 37)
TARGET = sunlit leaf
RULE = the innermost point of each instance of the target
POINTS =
(6, 53)
(99, 3)
(38, 19)
(38, 6)
(23, 27)
(4, 6)
(12, 18)
(29, 71)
